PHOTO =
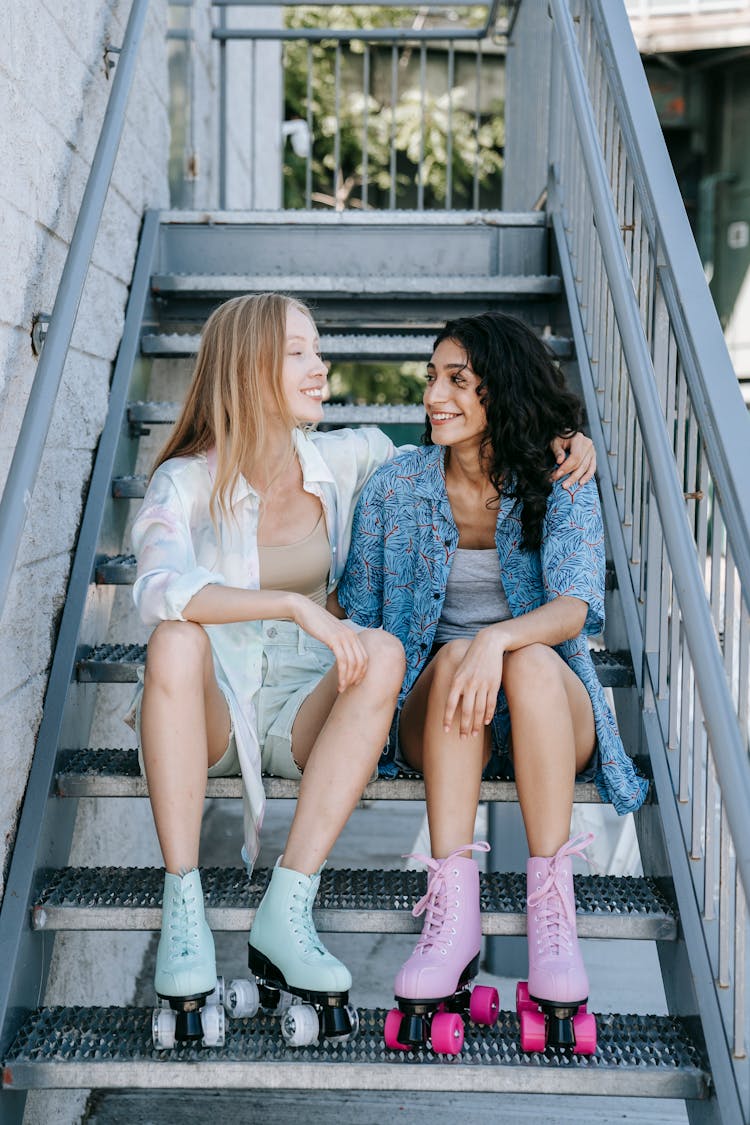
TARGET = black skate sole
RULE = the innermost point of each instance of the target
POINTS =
(271, 976)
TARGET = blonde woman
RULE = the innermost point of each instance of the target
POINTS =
(241, 539)
(240, 542)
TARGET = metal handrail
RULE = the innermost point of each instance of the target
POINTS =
(718, 407)
(729, 751)
(27, 455)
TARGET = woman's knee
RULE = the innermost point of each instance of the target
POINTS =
(385, 653)
(448, 658)
(177, 650)
(526, 669)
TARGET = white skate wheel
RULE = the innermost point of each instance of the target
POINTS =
(241, 998)
(163, 1024)
(212, 1021)
(299, 1025)
(217, 996)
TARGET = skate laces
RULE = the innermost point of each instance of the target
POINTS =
(434, 904)
(556, 912)
(185, 925)
(303, 923)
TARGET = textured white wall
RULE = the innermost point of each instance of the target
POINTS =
(54, 91)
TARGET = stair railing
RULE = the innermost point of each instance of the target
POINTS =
(674, 448)
(32, 436)
(395, 46)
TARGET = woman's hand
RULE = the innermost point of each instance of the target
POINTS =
(576, 459)
(476, 683)
(351, 658)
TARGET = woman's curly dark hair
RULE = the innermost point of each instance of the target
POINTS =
(528, 405)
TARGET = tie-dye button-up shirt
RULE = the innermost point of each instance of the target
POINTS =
(179, 551)
(403, 541)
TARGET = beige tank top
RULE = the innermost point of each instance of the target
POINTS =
(302, 566)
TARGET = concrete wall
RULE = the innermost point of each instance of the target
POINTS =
(54, 90)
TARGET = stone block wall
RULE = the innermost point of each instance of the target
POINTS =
(54, 89)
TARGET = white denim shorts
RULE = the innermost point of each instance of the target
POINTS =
(293, 665)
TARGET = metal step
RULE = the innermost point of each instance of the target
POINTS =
(120, 570)
(388, 348)
(334, 414)
(359, 901)
(115, 773)
(76, 1047)
(119, 664)
(318, 286)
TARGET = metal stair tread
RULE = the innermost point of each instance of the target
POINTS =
(67, 1047)
(334, 413)
(348, 901)
(119, 663)
(382, 346)
(120, 570)
(375, 218)
(321, 285)
(112, 772)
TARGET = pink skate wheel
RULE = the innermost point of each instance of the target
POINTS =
(484, 1005)
(392, 1028)
(533, 1030)
(523, 1000)
(584, 1026)
(447, 1033)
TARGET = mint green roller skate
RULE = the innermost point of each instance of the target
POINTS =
(185, 981)
(291, 964)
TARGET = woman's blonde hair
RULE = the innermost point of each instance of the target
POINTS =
(239, 363)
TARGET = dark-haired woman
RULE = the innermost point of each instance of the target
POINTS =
(491, 575)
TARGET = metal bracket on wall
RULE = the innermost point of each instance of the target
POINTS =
(109, 62)
(39, 326)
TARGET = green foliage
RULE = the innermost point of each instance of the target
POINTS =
(337, 177)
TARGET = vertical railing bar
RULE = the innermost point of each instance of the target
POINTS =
(223, 116)
(709, 867)
(394, 98)
(309, 96)
(724, 885)
(686, 691)
(337, 133)
(365, 124)
(449, 127)
(422, 125)
(674, 669)
(717, 554)
(740, 967)
(638, 494)
(744, 669)
(729, 616)
(477, 123)
(699, 781)
(253, 119)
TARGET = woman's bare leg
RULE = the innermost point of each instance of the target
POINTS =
(452, 766)
(337, 741)
(185, 726)
(551, 742)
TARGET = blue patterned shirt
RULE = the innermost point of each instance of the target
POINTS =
(403, 540)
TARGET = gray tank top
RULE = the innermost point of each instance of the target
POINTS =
(474, 595)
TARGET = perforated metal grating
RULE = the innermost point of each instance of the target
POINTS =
(636, 1055)
(378, 901)
(119, 663)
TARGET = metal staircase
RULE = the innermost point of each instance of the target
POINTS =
(389, 281)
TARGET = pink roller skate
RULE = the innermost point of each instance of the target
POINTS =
(433, 987)
(552, 1004)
